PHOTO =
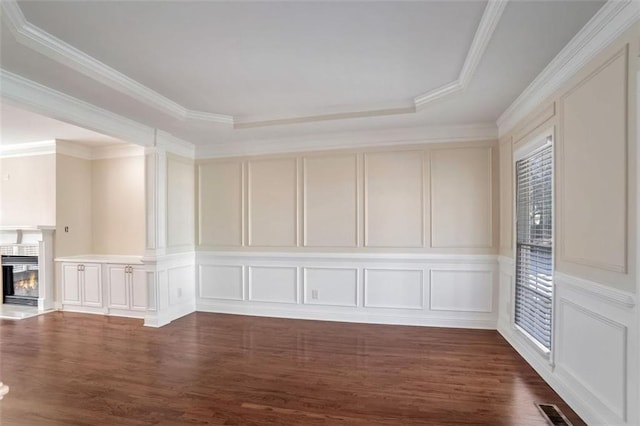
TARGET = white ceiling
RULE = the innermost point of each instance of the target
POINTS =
(18, 126)
(255, 61)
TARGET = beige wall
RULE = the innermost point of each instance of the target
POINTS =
(28, 190)
(73, 206)
(118, 204)
(180, 202)
(435, 198)
(593, 119)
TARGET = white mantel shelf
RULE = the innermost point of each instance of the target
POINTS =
(101, 258)
(27, 228)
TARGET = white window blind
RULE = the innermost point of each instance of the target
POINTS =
(534, 251)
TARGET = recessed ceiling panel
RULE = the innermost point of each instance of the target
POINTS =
(264, 59)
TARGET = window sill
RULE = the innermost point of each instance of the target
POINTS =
(533, 343)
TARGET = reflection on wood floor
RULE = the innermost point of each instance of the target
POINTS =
(71, 369)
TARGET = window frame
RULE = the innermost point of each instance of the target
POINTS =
(522, 150)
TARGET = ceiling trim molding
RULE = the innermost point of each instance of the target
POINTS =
(169, 143)
(71, 149)
(28, 149)
(35, 97)
(488, 23)
(84, 152)
(324, 117)
(350, 140)
(116, 151)
(47, 44)
(58, 50)
(613, 19)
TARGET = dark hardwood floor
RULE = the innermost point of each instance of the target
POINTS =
(73, 369)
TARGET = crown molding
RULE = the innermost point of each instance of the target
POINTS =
(209, 116)
(324, 117)
(47, 44)
(35, 97)
(28, 149)
(169, 143)
(84, 152)
(377, 138)
(117, 151)
(71, 149)
(488, 23)
(613, 19)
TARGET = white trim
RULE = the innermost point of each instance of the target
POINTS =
(534, 143)
(490, 18)
(576, 400)
(333, 141)
(605, 26)
(35, 97)
(28, 149)
(347, 314)
(174, 145)
(58, 50)
(203, 255)
(47, 44)
(592, 288)
(71, 149)
(75, 150)
(116, 151)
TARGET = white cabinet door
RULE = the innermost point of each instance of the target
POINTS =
(139, 289)
(92, 286)
(117, 286)
(70, 284)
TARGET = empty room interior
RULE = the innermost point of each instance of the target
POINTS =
(319, 212)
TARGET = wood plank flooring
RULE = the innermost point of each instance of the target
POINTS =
(75, 369)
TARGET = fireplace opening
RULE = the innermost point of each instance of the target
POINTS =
(20, 280)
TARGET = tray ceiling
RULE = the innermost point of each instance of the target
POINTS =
(217, 72)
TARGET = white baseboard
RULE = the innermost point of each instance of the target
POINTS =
(366, 317)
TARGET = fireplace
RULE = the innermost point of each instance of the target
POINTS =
(20, 280)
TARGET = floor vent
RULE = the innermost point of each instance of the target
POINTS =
(553, 415)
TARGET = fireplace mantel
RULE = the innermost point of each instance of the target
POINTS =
(10, 235)
(14, 237)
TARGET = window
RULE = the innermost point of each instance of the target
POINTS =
(534, 244)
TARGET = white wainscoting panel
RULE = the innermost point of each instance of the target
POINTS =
(460, 290)
(595, 347)
(180, 280)
(393, 288)
(273, 284)
(331, 286)
(384, 288)
(592, 349)
(171, 287)
(221, 282)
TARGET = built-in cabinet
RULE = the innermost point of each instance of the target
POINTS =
(102, 286)
(126, 287)
(81, 284)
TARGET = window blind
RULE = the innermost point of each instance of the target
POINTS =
(534, 251)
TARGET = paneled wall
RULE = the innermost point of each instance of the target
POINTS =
(437, 198)
(595, 323)
(405, 235)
